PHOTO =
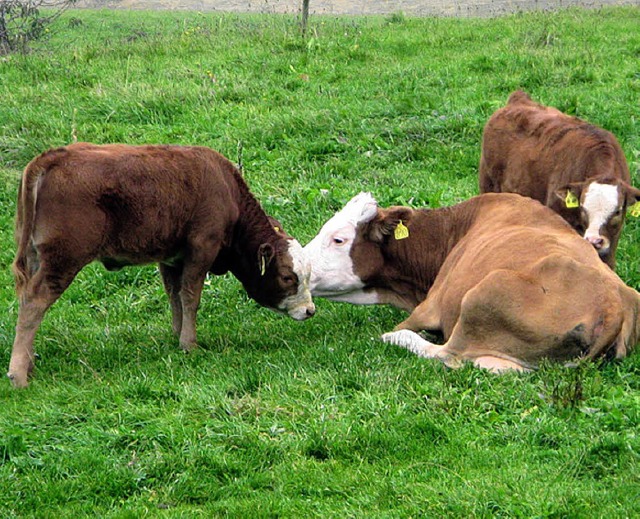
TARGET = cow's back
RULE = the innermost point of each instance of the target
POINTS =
(140, 199)
(534, 150)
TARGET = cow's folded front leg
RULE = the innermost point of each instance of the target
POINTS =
(412, 342)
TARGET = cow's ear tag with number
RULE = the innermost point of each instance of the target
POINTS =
(401, 231)
(634, 210)
(571, 200)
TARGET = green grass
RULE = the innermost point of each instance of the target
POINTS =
(272, 417)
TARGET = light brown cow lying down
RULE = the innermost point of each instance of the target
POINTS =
(186, 208)
(576, 168)
(503, 278)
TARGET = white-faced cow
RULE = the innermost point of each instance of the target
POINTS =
(576, 168)
(504, 279)
(186, 208)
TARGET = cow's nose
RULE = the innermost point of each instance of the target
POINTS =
(311, 312)
(596, 242)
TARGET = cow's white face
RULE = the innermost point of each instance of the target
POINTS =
(602, 208)
(332, 269)
(299, 306)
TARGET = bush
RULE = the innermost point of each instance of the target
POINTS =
(22, 21)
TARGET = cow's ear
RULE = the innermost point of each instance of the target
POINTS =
(277, 226)
(633, 195)
(390, 221)
(570, 195)
(265, 255)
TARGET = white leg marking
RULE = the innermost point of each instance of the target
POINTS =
(412, 342)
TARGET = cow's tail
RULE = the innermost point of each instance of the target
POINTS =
(25, 217)
(518, 97)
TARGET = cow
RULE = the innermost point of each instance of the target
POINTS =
(186, 208)
(575, 168)
(503, 279)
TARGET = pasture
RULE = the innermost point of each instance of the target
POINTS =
(272, 417)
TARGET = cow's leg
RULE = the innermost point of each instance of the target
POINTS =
(194, 273)
(560, 310)
(413, 342)
(486, 178)
(486, 186)
(41, 291)
(425, 316)
(416, 344)
(190, 292)
(172, 280)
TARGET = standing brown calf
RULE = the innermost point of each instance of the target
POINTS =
(186, 208)
(573, 167)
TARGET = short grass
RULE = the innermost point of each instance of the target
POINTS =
(271, 417)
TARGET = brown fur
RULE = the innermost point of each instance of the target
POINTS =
(504, 279)
(538, 151)
(186, 208)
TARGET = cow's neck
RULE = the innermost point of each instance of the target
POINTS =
(251, 230)
(414, 263)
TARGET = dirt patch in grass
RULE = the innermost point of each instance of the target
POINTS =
(462, 8)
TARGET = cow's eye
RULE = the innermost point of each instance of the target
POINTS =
(287, 279)
(338, 241)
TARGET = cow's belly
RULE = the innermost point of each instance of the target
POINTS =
(117, 262)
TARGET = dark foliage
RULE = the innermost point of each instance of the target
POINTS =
(23, 21)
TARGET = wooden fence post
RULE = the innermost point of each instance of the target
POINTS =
(305, 16)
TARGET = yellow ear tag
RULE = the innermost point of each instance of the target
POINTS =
(401, 231)
(634, 210)
(277, 229)
(263, 266)
(571, 201)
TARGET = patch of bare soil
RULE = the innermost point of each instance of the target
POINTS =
(464, 8)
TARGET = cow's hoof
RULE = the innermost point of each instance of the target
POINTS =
(405, 338)
(188, 348)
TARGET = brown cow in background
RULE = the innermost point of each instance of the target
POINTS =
(573, 167)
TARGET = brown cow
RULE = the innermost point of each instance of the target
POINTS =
(505, 280)
(577, 169)
(186, 208)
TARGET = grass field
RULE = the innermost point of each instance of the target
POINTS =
(276, 418)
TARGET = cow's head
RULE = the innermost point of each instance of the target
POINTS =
(345, 255)
(284, 273)
(602, 206)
